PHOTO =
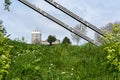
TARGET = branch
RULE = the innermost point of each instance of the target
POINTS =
(7, 3)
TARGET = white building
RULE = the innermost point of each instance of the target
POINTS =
(36, 38)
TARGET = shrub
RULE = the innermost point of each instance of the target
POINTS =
(4, 56)
(112, 47)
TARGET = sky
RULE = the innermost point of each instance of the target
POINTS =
(21, 20)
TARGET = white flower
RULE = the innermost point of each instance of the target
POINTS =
(51, 64)
(49, 67)
(72, 69)
(63, 72)
(71, 74)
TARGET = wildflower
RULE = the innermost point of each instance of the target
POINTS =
(72, 69)
(19, 54)
(49, 67)
(71, 74)
(63, 72)
(51, 64)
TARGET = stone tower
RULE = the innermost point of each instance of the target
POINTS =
(36, 36)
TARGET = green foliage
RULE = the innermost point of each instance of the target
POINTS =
(2, 29)
(66, 40)
(51, 39)
(58, 62)
(7, 4)
(108, 28)
(112, 47)
(5, 49)
(22, 40)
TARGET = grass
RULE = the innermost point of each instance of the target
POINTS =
(59, 62)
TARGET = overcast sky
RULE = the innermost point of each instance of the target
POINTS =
(21, 20)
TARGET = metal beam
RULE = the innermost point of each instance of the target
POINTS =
(58, 22)
(73, 15)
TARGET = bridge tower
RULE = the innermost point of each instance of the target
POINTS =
(36, 36)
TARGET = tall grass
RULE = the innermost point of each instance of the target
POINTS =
(59, 62)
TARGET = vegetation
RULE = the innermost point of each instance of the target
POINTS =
(66, 40)
(5, 49)
(51, 39)
(112, 47)
(109, 28)
(2, 29)
(21, 61)
(58, 62)
(7, 4)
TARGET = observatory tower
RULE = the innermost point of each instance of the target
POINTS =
(36, 36)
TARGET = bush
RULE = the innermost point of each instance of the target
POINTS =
(4, 56)
(112, 48)
(66, 40)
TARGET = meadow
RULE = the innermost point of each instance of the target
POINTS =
(59, 62)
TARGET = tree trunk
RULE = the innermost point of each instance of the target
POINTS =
(50, 43)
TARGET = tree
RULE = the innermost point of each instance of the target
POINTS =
(81, 28)
(112, 47)
(7, 3)
(66, 40)
(2, 29)
(51, 39)
(5, 49)
(109, 28)
(22, 40)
